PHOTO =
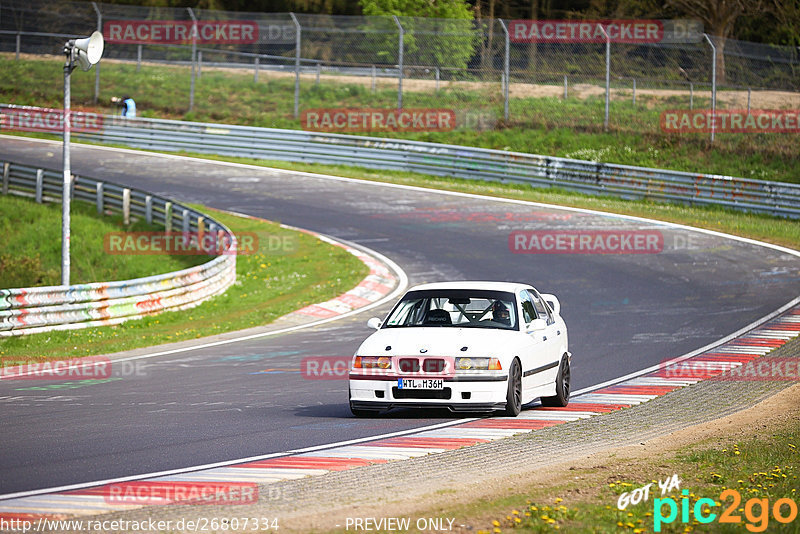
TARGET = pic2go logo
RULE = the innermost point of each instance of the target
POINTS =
(756, 511)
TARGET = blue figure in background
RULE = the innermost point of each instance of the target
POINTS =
(127, 105)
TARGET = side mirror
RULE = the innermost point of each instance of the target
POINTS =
(374, 323)
(537, 324)
(555, 305)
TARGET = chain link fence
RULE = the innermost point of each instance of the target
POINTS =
(478, 73)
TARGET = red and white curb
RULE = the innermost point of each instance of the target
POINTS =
(379, 283)
(733, 353)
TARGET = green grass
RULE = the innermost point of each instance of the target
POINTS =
(289, 270)
(763, 467)
(31, 251)
(545, 125)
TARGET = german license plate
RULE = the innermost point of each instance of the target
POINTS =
(420, 383)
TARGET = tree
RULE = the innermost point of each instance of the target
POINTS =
(446, 39)
(719, 18)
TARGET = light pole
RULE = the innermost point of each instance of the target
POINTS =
(84, 52)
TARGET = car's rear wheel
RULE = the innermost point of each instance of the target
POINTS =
(514, 393)
(561, 398)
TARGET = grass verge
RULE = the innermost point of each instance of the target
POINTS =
(289, 270)
(538, 124)
(31, 252)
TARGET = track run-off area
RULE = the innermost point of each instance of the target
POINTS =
(670, 291)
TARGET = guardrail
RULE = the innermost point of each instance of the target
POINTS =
(776, 198)
(40, 309)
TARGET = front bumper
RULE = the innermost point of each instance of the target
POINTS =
(460, 394)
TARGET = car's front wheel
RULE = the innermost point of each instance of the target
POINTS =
(514, 393)
(561, 398)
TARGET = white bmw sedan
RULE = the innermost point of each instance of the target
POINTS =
(465, 346)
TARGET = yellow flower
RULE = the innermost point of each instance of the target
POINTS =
(515, 512)
(558, 500)
(496, 523)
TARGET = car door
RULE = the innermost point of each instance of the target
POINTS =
(544, 342)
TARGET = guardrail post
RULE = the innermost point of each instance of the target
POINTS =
(6, 171)
(168, 217)
(99, 197)
(212, 245)
(148, 209)
(126, 206)
(185, 220)
(39, 184)
(297, 43)
(399, 62)
(201, 232)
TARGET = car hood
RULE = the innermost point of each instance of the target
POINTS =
(438, 341)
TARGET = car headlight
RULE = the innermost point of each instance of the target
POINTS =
(372, 362)
(478, 364)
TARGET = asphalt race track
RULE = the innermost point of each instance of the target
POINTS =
(625, 312)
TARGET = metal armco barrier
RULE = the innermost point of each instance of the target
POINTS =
(41, 309)
(623, 181)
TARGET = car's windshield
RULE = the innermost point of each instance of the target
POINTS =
(459, 308)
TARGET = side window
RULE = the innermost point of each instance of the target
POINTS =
(528, 311)
(541, 309)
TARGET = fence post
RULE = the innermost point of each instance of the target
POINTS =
(373, 78)
(691, 95)
(138, 57)
(748, 100)
(256, 65)
(39, 185)
(199, 64)
(319, 68)
(437, 79)
(194, 57)
(148, 209)
(97, 66)
(608, 76)
(713, 85)
(506, 69)
(399, 62)
(6, 170)
(565, 87)
(297, 44)
(634, 91)
(99, 197)
(19, 45)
